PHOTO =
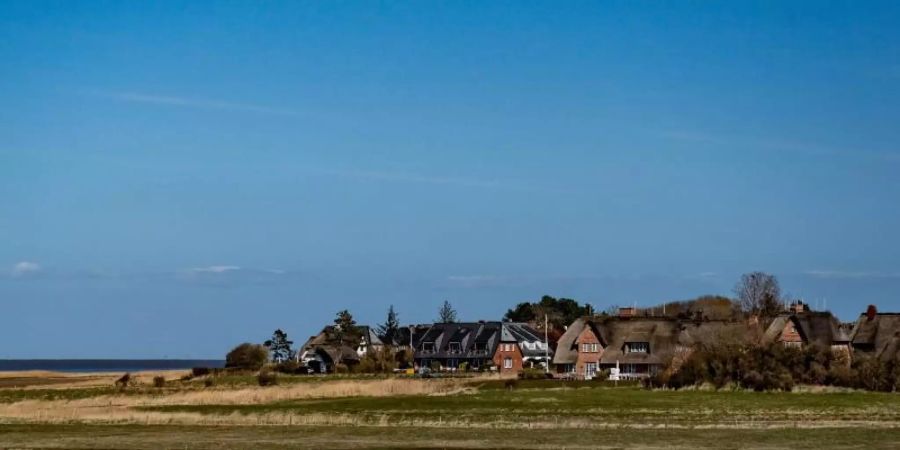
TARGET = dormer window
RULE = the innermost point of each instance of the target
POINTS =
(454, 347)
(428, 347)
(590, 347)
(637, 347)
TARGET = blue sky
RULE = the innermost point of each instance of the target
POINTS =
(176, 178)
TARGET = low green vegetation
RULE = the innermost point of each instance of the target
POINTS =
(370, 438)
(565, 406)
(529, 413)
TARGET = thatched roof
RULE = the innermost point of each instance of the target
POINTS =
(880, 335)
(327, 345)
(566, 346)
(819, 327)
(663, 336)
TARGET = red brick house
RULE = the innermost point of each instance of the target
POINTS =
(508, 358)
(579, 350)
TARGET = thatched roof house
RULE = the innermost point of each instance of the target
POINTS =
(807, 328)
(877, 334)
(639, 345)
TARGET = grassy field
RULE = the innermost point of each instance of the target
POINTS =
(460, 413)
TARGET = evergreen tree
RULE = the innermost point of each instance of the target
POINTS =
(344, 321)
(446, 314)
(280, 347)
(389, 330)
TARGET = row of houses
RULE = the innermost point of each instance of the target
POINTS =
(504, 347)
(636, 345)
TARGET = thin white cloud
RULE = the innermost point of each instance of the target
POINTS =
(214, 269)
(231, 275)
(859, 275)
(186, 102)
(25, 268)
(776, 144)
(403, 177)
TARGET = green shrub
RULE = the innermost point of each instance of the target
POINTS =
(159, 381)
(200, 371)
(247, 356)
(435, 366)
(209, 382)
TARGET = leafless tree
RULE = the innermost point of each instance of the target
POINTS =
(759, 293)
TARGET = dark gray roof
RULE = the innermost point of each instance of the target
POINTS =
(464, 334)
(477, 339)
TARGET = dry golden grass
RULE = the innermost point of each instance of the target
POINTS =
(41, 379)
(119, 408)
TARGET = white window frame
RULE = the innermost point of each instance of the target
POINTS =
(637, 347)
(507, 363)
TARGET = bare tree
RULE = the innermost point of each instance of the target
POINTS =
(759, 293)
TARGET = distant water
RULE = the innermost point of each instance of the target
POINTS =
(106, 365)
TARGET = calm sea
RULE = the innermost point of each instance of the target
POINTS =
(106, 365)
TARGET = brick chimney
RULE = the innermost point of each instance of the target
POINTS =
(871, 311)
(799, 307)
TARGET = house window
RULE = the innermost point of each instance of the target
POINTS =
(637, 347)
(428, 347)
(452, 363)
(479, 347)
(590, 348)
(590, 369)
(507, 363)
(454, 347)
(793, 344)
